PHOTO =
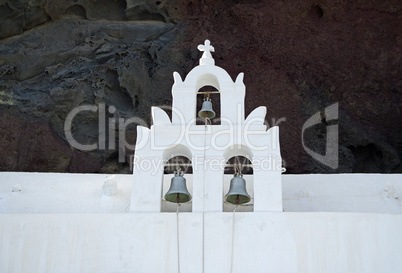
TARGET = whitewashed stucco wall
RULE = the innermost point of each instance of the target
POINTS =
(146, 242)
(64, 223)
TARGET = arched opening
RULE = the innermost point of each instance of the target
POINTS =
(175, 164)
(238, 166)
(211, 93)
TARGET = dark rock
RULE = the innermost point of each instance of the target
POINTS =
(11, 129)
(18, 16)
(41, 150)
(84, 163)
(30, 145)
(299, 57)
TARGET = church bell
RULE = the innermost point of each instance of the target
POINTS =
(206, 110)
(178, 192)
(237, 192)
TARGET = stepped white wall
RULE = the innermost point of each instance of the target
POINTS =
(146, 242)
(64, 223)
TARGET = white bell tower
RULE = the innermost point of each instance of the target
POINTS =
(208, 146)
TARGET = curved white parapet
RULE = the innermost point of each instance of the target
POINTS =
(257, 116)
(177, 78)
(159, 116)
(239, 79)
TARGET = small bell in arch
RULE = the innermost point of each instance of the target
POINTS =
(237, 192)
(206, 109)
(178, 192)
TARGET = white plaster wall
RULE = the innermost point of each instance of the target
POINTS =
(82, 193)
(147, 242)
(64, 223)
(62, 193)
(381, 193)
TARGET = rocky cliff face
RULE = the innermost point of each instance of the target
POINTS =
(299, 57)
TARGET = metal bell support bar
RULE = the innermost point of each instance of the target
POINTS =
(237, 192)
(178, 192)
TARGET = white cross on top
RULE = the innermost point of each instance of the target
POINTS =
(207, 48)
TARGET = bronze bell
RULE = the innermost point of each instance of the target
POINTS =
(206, 110)
(178, 192)
(237, 192)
